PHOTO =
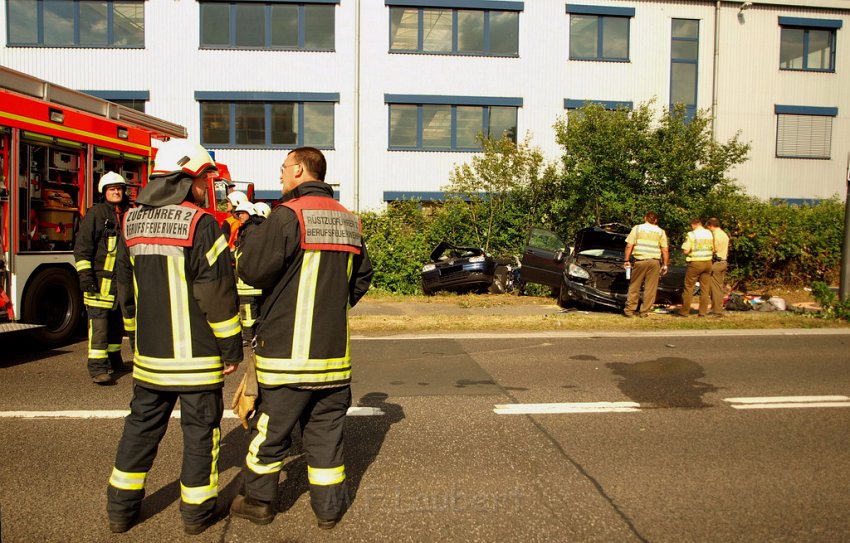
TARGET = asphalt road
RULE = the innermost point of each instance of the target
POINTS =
(671, 457)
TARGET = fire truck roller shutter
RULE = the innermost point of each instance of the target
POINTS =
(52, 297)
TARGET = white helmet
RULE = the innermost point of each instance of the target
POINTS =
(247, 207)
(263, 209)
(237, 197)
(110, 178)
(182, 155)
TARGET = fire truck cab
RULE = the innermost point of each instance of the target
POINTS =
(55, 143)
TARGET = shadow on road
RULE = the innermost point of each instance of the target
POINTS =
(364, 436)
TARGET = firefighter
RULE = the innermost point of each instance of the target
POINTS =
(231, 224)
(248, 296)
(263, 210)
(95, 249)
(698, 248)
(176, 281)
(311, 276)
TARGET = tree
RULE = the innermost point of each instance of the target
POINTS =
(503, 187)
(619, 164)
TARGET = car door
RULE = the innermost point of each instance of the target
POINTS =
(538, 263)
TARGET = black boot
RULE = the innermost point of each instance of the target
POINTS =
(254, 510)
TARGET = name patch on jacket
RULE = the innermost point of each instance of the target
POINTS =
(167, 225)
(326, 225)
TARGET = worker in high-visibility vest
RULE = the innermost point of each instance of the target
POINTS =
(249, 296)
(718, 266)
(95, 249)
(175, 281)
(647, 243)
(699, 249)
(310, 260)
(231, 224)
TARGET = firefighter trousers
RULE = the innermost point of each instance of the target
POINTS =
(322, 416)
(106, 331)
(144, 427)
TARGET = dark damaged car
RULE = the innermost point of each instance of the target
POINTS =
(466, 269)
(592, 273)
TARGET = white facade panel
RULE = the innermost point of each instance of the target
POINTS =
(172, 68)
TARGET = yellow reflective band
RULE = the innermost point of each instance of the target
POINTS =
(177, 364)
(247, 290)
(197, 494)
(97, 353)
(109, 263)
(303, 329)
(314, 364)
(251, 459)
(178, 291)
(130, 324)
(127, 480)
(83, 265)
(218, 247)
(228, 328)
(98, 300)
(325, 476)
(200, 494)
(276, 379)
(177, 379)
(105, 287)
(114, 348)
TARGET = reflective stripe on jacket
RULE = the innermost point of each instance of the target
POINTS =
(95, 249)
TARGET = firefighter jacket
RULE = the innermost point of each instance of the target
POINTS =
(176, 283)
(95, 250)
(309, 259)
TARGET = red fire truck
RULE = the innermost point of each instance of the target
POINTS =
(55, 143)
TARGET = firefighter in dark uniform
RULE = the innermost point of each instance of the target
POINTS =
(311, 263)
(249, 296)
(176, 281)
(95, 249)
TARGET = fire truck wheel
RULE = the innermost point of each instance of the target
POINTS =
(53, 299)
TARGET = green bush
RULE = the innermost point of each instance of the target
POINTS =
(829, 302)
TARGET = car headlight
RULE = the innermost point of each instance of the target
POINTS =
(577, 271)
(477, 259)
(428, 267)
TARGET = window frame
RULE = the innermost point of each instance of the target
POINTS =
(807, 24)
(110, 28)
(690, 109)
(482, 6)
(420, 101)
(601, 13)
(268, 99)
(803, 111)
(267, 22)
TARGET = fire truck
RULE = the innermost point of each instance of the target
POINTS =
(55, 143)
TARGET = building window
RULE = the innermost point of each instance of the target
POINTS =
(446, 30)
(599, 32)
(804, 132)
(807, 44)
(131, 99)
(79, 23)
(267, 120)
(447, 123)
(684, 64)
(270, 25)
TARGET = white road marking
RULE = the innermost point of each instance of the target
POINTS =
(790, 405)
(354, 411)
(787, 399)
(553, 408)
(788, 402)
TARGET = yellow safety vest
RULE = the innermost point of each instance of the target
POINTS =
(701, 244)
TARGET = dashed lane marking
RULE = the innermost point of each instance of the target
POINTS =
(556, 408)
(788, 402)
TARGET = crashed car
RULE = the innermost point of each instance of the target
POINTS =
(592, 272)
(466, 269)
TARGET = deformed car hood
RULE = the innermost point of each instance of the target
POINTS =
(443, 246)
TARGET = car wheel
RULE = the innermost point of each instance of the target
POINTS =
(563, 297)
